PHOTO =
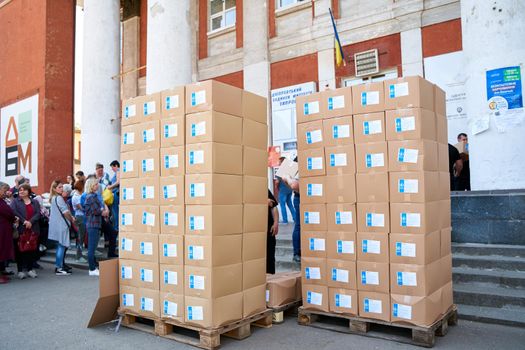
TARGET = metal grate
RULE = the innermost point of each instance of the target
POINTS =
(366, 63)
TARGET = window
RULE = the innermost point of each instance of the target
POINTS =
(286, 3)
(222, 14)
(391, 74)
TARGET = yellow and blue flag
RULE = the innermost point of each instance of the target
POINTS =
(339, 55)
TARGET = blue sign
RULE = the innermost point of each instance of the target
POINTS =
(504, 89)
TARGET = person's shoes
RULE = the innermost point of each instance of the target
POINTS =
(67, 267)
(297, 258)
(32, 274)
(37, 266)
(61, 272)
(21, 275)
(42, 248)
(95, 272)
(81, 260)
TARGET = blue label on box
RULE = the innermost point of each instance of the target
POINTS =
(192, 282)
(368, 219)
(166, 162)
(166, 306)
(142, 248)
(144, 218)
(166, 131)
(190, 252)
(307, 273)
(337, 300)
(123, 272)
(144, 136)
(368, 160)
(166, 219)
(193, 130)
(312, 243)
(309, 190)
(309, 163)
(367, 305)
(403, 219)
(332, 159)
(398, 248)
(192, 223)
(192, 157)
(401, 186)
(363, 98)
(339, 246)
(306, 217)
(165, 275)
(399, 278)
(192, 190)
(335, 131)
(193, 100)
(123, 244)
(365, 246)
(308, 297)
(168, 102)
(334, 274)
(366, 128)
(306, 109)
(126, 112)
(398, 125)
(143, 192)
(363, 277)
(308, 137)
(391, 91)
(395, 310)
(145, 108)
(330, 103)
(401, 155)
(142, 275)
(338, 218)
(165, 250)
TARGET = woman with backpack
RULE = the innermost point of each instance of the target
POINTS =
(93, 210)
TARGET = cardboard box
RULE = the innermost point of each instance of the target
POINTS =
(129, 165)
(172, 219)
(149, 305)
(213, 126)
(127, 272)
(254, 300)
(130, 138)
(373, 217)
(341, 245)
(311, 162)
(148, 163)
(415, 280)
(446, 241)
(130, 110)
(442, 128)
(172, 278)
(254, 162)
(341, 274)
(128, 218)
(171, 249)
(255, 134)
(339, 188)
(315, 297)
(313, 190)
(446, 298)
(414, 186)
(145, 192)
(310, 135)
(213, 189)
(440, 101)
(213, 157)
(411, 124)
(443, 160)
(373, 276)
(444, 185)
(140, 274)
(374, 305)
(414, 217)
(171, 306)
(129, 299)
(372, 187)
(338, 131)
(109, 298)
(253, 273)
(253, 244)
(372, 247)
(171, 190)
(147, 219)
(139, 246)
(343, 301)
(337, 103)
(172, 131)
(212, 313)
(280, 290)
(172, 102)
(212, 282)
(409, 92)
(419, 311)
(341, 217)
(445, 215)
(313, 271)
(412, 155)
(213, 219)
(313, 244)
(415, 249)
(172, 161)
(150, 107)
(254, 107)
(340, 160)
(254, 190)
(255, 218)
(212, 251)
(309, 107)
(313, 217)
(129, 191)
(368, 98)
(372, 157)
(445, 269)
(148, 135)
(369, 127)
(211, 95)
(287, 168)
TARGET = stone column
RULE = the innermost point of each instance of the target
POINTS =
(170, 52)
(412, 52)
(100, 87)
(492, 39)
(326, 69)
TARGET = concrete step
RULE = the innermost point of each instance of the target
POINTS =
(488, 249)
(513, 279)
(488, 294)
(514, 316)
(285, 263)
(489, 262)
(283, 250)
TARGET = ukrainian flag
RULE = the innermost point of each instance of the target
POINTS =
(339, 55)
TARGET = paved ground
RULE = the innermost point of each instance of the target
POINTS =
(51, 312)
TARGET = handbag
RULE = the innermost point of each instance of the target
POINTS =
(107, 197)
(28, 241)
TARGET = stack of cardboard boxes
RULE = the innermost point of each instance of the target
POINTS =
(193, 186)
(397, 235)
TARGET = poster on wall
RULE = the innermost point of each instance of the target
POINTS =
(505, 96)
(19, 141)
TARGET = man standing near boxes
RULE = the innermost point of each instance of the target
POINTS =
(273, 230)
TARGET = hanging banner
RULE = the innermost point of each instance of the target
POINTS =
(19, 141)
(505, 96)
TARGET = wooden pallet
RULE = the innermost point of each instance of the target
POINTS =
(400, 332)
(279, 311)
(141, 323)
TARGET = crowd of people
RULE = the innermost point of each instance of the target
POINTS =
(79, 210)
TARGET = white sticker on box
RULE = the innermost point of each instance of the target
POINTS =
(406, 279)
(130, 111)
(370, 277)
(146, 304)
(343, 300)
(150, 107)
(128, 299)
(148, 135)
(338, 159)
(170, 308)
(172, 102)
(312, 273)
(406, 249)
(372, 127)
(405, 124)
(402, 311)
(196, 223)
(375, 160)
(267, 296)
(126, 272)
(341, 131)
(126, 219)
(398, 90)
(171, 219)
(196, 282)
(345, 247)
(371, 246)
(198, 129)
(374, 306)
(314, 163)
(369, 98)
(146, 248)
(336, 102)
(127, 244)
(171, 277)
(311, 108)
(314, 298)
(343, 218)
(127, 166)
(314, 136)
(170, 191)
(195, 313)
(195, 252)
(171, 130)
(314, 190)
(198, 97)
(129, 138)
(407, 155)
(312, 217)
(169, 250)
(340, 275)
(317, 244)
(171, 161)
(148, 192)
(196, 157)
(148, 219)
(148, 165)
(146, 275)
(128, 193)
(408, 186)
(410, 220)
(198, 190)
(375, 220)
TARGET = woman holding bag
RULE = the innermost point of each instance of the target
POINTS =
(28, 212)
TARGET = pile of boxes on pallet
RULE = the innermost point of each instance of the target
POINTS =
(193, 212)
(375, 201)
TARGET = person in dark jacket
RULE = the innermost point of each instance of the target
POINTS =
(93, 210)
(273, 230)
(7, 220)
(27, 209)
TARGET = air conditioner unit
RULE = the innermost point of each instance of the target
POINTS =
(366, 63)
